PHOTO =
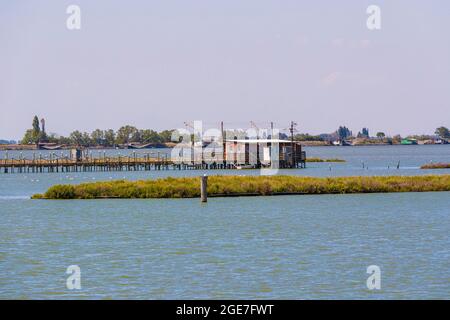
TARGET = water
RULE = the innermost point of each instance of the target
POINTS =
(377, 160)
(293, 247)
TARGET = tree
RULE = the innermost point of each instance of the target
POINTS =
(64, 140)
(148, 136)
(307, 137)
(126, 134)
(42, 136)
(32, 135)
(442, 132)
(52, 138)
(98, 137)
(365, 132)
(343, 132)
(86, 140)
(166, 135)
(76, 137)
(136, 136)
(36, 127)
(380, 135)
(110, 137)
(28, 137)
(36, 133)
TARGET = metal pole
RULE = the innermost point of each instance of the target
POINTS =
(292, 145)
(224, 161)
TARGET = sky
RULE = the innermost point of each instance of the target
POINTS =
(157, 64)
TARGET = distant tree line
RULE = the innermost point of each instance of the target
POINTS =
(345, 133)
(105, 138)
(308, 137)
(130, 134)
(364, 133)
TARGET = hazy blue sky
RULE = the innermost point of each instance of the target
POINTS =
(155, 64)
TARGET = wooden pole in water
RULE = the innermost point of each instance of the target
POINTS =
(203, 188)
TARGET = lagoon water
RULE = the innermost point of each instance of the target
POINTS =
(293, 247)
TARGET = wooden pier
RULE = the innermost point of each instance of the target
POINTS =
(99, 164)
(135, 162)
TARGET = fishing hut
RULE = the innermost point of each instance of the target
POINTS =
(76, 154)
(264, 153)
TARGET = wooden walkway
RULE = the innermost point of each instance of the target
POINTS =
(92, 165)
(119, 163)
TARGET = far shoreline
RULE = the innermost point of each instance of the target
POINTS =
(16, 147)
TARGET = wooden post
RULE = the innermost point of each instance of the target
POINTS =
(203, 188)
(224, 161)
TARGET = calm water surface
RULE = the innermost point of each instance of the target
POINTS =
(295, 247)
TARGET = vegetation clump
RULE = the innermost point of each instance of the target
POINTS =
(436, 166)
(246, 185)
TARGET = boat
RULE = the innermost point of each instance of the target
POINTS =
(342, 143)
(441, 141)
(150, 145)
(408, 142)
(49, 146)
